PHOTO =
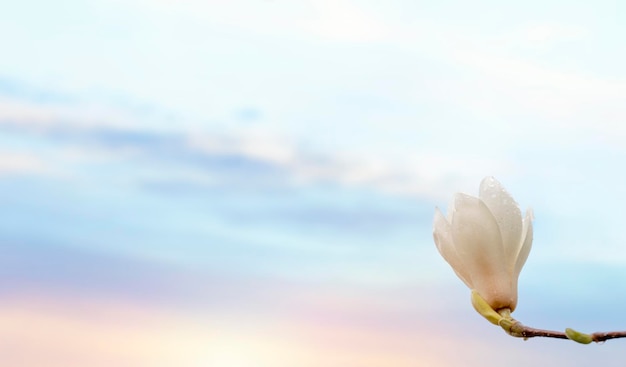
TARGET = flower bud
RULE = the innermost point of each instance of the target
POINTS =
(486, 242)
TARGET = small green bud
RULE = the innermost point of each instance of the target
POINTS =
(578, 337)
(483, 308)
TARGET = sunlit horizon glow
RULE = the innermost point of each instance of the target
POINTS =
(75, 330)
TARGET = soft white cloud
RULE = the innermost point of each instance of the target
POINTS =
(548, 98)
(424, 175)
(340, 20)
(549, 33)
(78, 115)
(86, 138)
(18, 163)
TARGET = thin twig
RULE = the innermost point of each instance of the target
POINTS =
(522, 331)
(601, 337)
(502, 317)
(518, 330)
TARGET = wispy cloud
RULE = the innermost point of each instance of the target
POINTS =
(342, 20)
(19, 163)
(243, 154)
(545, 34)
(550, 93)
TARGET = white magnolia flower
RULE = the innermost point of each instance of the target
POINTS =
(486, 242)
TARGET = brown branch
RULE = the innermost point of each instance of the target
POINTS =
(601, 337)
(518, 330)
(503, 318)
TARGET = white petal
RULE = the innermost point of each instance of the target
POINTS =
(507, 213)
(478, 242)
(450, 212)
(442, 233)
(527, 242)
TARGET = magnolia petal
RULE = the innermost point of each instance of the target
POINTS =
(526, 242)
(513, 305)
(478, 243)
(442, 233)
(450, 211)
(507, 214)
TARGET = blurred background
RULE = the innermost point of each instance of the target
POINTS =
(252, 183)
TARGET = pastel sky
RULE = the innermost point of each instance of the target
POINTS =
(252, 183)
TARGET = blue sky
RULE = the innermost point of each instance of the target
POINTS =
(261, 177)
